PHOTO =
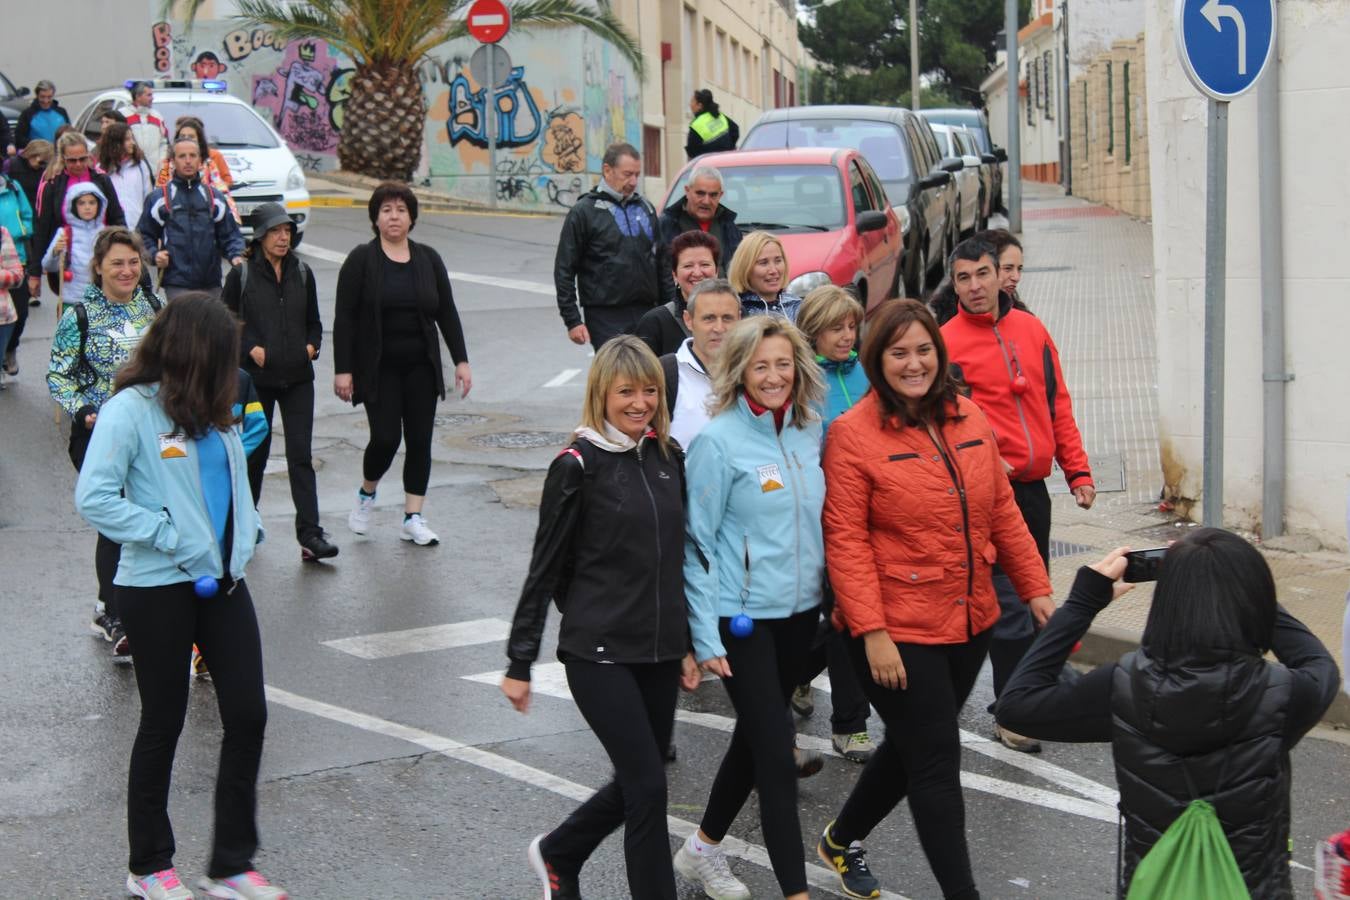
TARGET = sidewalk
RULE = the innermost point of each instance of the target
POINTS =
(1089, 276)
(348, 190)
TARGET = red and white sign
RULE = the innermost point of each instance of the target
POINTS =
(489, 20)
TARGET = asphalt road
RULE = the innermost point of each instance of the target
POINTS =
(393, 767)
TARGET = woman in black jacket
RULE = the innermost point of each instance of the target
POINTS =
(391, 296)
(1195, 712)
(273, 294)
(609, 551)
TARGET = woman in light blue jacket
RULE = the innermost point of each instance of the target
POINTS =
(165, 476)
(754, 562)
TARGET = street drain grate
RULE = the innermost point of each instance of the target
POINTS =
(521, 440)
(1064, 548)
(459, 420)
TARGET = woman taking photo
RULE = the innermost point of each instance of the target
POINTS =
(594, 555)
(759, 273)
(274, 295)
(753, 570)
(165, 478)
(917, 510)
(392, 295)
(91, 343)
(694, 254)
(1196, 712)
(120, 157)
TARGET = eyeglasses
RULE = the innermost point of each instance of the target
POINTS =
(76, 159)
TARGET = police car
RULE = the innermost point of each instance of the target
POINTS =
(263, 167)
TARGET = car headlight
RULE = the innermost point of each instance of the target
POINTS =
(802, 284)
(295, 179)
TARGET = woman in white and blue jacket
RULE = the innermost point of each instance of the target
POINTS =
(754, 563)
(165, 476)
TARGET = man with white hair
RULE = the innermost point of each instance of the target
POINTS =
(701, 208)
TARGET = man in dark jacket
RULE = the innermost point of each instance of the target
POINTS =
(41, 118)
(701, 209)
(273, 293)
(612, 255)
(188, 227)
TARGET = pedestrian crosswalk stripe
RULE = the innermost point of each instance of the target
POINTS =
(550, 679)
(421, 640)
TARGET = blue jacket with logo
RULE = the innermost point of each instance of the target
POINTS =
(194, 223)
(753, 540)
(161, 522)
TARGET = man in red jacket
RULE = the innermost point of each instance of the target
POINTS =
(1011, 364)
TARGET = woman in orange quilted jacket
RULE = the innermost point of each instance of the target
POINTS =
(917, 509)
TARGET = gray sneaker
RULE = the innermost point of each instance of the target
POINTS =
(158, 886)
(248, 885)
(710, 869)
(856, 748)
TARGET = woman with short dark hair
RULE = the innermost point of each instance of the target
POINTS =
(392, 295)
(694, 257)
(711, 130)
(1196, 712)
(164, 477)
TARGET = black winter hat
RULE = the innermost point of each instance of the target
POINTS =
(269, 216)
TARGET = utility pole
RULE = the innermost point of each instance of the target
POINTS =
(1014, 179)
(914, 55)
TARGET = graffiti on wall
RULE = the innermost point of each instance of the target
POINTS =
(161, 39)
(611, 101)
(306, 95)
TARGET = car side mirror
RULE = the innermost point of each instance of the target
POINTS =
(970, 162)
(934, 180)
(988, 159)
(870, 220)
(1000, 154)
(21, 92)
(951, 164)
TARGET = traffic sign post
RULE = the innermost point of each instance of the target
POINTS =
(1224, 48)
(489, 21)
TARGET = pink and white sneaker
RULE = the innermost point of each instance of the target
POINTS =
(248, 885)
(162, 885)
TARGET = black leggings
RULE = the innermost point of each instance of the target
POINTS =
(765, 667)
(920, 757)
(631, 709)
(406, 407)
(1015, 630)
(163, 623)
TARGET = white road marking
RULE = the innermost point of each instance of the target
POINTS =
(562, 378)
(550, 679)
(818, 876)
(421, 640)
(511, 284)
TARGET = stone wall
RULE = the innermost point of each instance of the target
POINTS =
(1109, 130)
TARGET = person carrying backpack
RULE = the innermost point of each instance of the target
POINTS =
(1195, 714)
(92, 341)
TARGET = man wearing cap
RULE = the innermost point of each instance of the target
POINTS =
(147, 125)
(273, 294)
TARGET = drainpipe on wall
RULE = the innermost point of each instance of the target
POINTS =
(1067, 119)
(1013, 183)
(1273, 370)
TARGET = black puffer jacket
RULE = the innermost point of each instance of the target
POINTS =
(610, 552)
(611, 253)
(280, 317)
(1233, 719)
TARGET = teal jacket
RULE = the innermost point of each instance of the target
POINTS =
(845, 384)
(753, 540)
(161, 522)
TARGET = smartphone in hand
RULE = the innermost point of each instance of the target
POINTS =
(1143, 565)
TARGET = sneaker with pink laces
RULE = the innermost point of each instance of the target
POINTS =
(163, 885)
(248, 885)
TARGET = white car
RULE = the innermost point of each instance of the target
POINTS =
(263, 167)
(954, 141)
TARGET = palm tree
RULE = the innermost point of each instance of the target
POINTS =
(386, 39)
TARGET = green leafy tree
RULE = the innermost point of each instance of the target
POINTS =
(863, 48)
(386, 39)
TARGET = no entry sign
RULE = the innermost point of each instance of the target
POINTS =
(489, 20)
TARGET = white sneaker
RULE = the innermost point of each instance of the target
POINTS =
(710, 869)
(415, 529)
(358, 520)
(163, 885)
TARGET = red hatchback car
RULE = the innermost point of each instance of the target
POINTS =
(825, 205)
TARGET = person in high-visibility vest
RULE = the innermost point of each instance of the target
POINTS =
(711, 130)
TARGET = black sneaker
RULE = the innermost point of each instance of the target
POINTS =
(104, 625)
(809, 762)
(315, 547)
(557, 885)
(121, 646)
(850, 864)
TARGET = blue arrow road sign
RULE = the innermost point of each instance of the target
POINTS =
(1225, 44)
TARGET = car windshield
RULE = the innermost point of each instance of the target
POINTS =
(971, 121)
(780, 197)
(944, 142)
(878, 142)
(228, 125)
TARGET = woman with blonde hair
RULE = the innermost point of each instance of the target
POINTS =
(753, 570)
(759, 273)
(610, 542)
(71, 166)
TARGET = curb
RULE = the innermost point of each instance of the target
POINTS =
(427, 199)
(1107, 644)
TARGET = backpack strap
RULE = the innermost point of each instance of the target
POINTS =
(671, 367)
(82, 363)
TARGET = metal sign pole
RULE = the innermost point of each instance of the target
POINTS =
(490, 111)
(1216, 236)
